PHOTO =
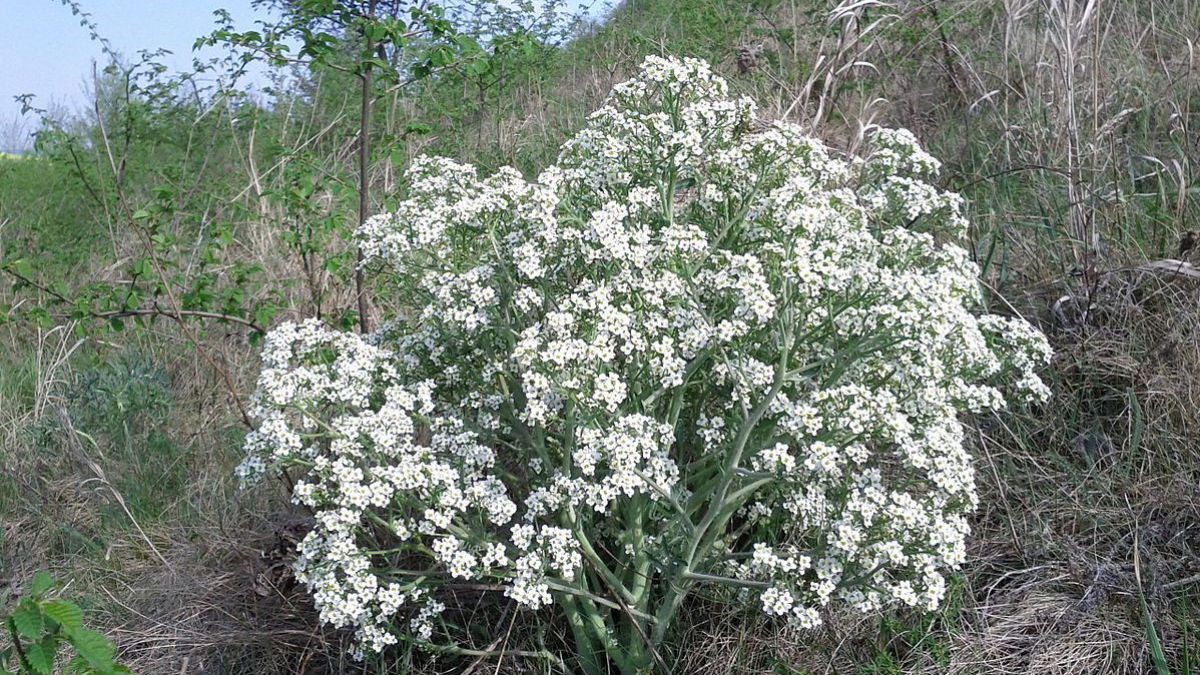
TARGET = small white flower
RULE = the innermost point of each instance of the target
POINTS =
(682, 291)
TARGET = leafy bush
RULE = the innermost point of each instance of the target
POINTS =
(40, 625)
(696, 351)
(126, 393)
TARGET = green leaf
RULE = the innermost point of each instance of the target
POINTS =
(1157, 656)
(141, 268)
(418, 129)
(28, 620)
(40, 317)
(263, 314)
(93, 647)
(22, 267)
(42, 582)
(67, 614)
(40, 655)
(478, 67)
(61, 289)
(375, 31)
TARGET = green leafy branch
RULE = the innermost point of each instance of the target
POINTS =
(40, 625)
(21, 271)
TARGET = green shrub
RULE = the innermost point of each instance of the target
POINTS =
(41, 625)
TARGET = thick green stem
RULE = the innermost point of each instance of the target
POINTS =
(639, 582)
(591, 655)
(719, 511)
(728, 581)
(580, 593)
(589, 553)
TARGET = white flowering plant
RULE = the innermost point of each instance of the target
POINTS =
(696, 351)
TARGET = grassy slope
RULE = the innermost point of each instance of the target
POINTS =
(1071, 492)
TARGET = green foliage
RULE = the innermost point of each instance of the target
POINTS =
(122, 406)
(159, 169)
(40, 626)
(242, 207)
(140, 186)
(54, 227)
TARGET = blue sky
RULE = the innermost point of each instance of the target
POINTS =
(44, 51)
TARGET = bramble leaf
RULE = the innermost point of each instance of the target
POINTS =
(28, 620)
(93, 647)
(67, 614)
(40, 655)
(42, 582)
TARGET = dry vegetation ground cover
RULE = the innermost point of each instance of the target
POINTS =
(1071, 126)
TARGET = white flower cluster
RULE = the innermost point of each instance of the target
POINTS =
(750, 349)
(380, 467)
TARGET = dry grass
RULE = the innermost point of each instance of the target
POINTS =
(1071, 126)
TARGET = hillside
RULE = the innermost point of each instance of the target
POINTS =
(146, 253)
